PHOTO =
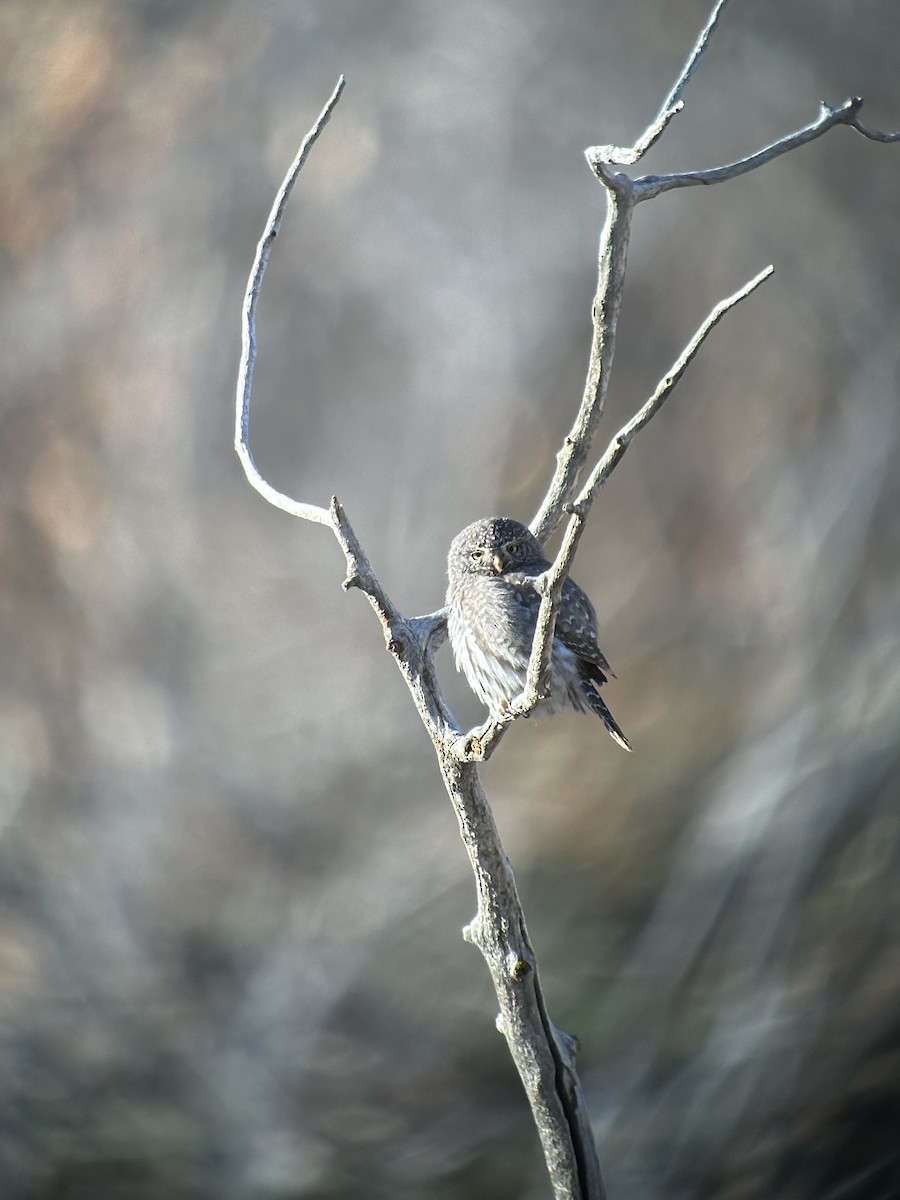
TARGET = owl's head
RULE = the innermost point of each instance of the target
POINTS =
(493, 546)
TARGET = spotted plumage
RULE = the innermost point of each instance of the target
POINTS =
(493, 611)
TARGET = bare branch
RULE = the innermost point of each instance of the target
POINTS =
(571, 459)
(648, 186)
(307, 512)
(619, 444)
(623, 194)
(874, 135)
(674, 96)
(480, 743)
(412, 644)
(550, 584)
(543, 1055)
(671, 106)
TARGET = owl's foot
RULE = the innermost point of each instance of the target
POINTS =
(478, 744)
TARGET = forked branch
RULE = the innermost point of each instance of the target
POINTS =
(544, 1056)
(551, 583)
(623, 195)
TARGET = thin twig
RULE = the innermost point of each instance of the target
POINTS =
(620, 443)
(550, 584)
(674, 96)
(671, 106)
(620, 197)
(411, 643)
(307, 512)
(874, 135)
(648, 186)
(572, 457)
(481, 743)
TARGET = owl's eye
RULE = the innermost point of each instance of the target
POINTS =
(512, 547)
(477, 555)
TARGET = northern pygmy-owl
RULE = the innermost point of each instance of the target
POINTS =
(493, 612)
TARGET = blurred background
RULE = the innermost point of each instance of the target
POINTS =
(231, 888)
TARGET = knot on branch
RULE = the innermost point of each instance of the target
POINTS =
(396, 638)
(469, 748)
(472, 932)
(517, 967)
(541, 583)
(599, 159)
(849, 108)
(336, 512)
(525, 704)
(568, 1043)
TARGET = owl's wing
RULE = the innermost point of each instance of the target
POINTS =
(527, 599)
(576, 624)
(576, 627)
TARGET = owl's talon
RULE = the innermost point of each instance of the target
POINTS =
(519, 708)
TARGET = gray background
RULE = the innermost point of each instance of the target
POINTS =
(230, 885)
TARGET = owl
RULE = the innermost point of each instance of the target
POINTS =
(493, 612)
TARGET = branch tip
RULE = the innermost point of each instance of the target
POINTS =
(673, 103)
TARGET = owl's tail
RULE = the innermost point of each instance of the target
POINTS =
(596, 704)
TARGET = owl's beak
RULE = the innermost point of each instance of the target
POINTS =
(499, 563)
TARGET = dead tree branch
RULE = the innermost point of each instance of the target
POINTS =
(623, 195)
(673, 103)
(551, 583)
(649, 186)
(307, 512)
(544, 1055)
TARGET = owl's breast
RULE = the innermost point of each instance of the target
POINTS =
(490, 633)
